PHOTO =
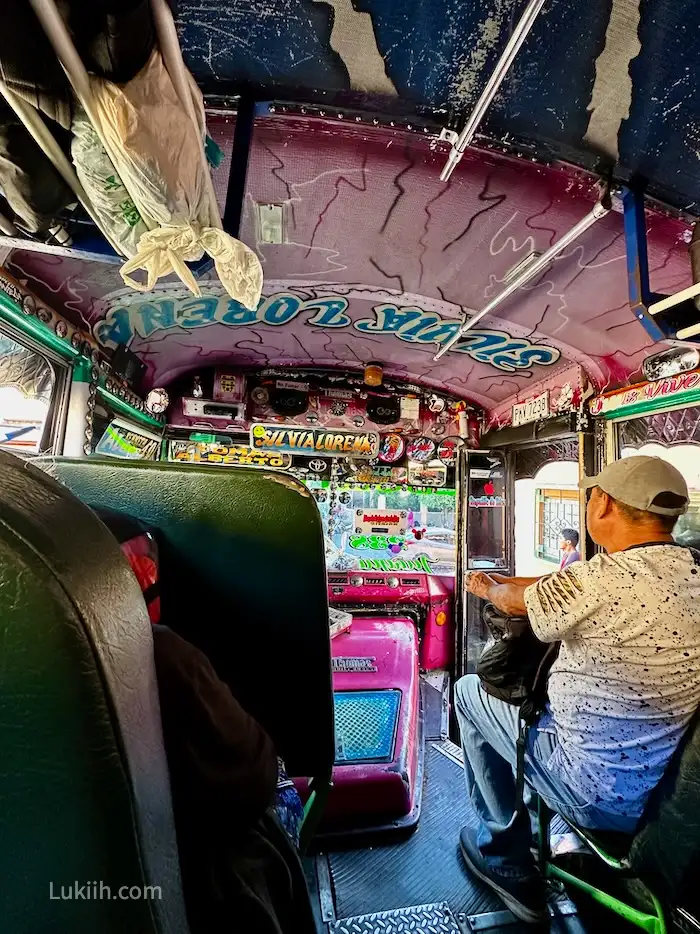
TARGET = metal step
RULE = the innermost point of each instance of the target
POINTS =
(421, 919)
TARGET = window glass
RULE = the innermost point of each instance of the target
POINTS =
(545, 504)
(27, 382)
(486, 524)
(686, 458)
(554, 510)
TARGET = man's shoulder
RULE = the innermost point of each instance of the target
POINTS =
(584, 570)
(576, 580)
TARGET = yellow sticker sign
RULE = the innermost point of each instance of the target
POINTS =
(310, 442)
(238, 455)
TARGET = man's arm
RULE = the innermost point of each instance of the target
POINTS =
(223, 764)
(556, 604)
(522, 581)
(507, 593)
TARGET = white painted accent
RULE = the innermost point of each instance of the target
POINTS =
(353, 38)
(611, 97)
(76, 420)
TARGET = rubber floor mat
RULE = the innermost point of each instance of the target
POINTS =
(426, 869)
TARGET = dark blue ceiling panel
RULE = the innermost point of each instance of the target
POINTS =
(661, 139)
(437, 55)
(546, 94)
(260, 44)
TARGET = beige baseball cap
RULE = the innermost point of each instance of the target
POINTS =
(637, 481)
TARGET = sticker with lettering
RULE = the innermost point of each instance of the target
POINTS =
(354, 664)
(310, 442)
(238, 455)
(409, 324)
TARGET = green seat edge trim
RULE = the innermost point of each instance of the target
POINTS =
(653, 924)
(313, 809)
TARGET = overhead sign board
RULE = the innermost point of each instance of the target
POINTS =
(531, 411)
(321, 311)
(312, 442)
(664, 393)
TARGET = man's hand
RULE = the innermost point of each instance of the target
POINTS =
(479, 583)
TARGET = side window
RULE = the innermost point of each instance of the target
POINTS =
(675, 437)
(27, 384)
(555, 510)
(687, 530)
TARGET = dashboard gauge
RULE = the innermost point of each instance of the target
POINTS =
(260, 395)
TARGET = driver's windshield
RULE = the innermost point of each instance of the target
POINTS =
(419, 535)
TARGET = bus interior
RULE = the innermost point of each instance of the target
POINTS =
(477, 226)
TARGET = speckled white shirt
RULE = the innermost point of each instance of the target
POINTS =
(627, 679)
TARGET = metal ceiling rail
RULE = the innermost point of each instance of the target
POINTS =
(600, 209)
(502, 68)
(664, 317)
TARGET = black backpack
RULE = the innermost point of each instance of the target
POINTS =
(515, 669)
(516, 666)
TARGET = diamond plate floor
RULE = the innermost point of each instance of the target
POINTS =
(423, 919)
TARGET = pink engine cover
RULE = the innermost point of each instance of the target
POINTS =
(378, 792)
(435, 594)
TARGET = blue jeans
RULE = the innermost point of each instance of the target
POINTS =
(489, 730)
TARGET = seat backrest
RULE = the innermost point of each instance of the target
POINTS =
(665, 852)
(84, 789)
(242, 576)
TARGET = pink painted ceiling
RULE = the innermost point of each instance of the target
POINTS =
(367, 218)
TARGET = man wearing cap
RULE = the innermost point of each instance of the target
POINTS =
(621, 692)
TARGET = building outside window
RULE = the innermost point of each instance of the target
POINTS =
(554, 510)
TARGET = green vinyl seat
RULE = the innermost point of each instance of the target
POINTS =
(86, 824)
(242, 576)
